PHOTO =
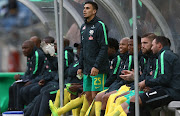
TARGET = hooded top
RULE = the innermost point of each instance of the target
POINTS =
(94, 47)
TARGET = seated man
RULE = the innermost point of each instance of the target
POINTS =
(30, 91)
(146, 43)
(165, 87)
(35, 61)
(112, 52)
(128, 65)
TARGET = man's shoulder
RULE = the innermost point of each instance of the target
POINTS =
(169, 56)
(38, 52)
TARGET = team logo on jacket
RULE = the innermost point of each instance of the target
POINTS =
(90, 38)
(84, 27)
(91, 32)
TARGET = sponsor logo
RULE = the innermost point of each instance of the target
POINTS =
(151, 72)
(111, 67)
(150, 94)
(97, 87)
(155, 92)
(90, 38)
(47, 66)
(147, 94)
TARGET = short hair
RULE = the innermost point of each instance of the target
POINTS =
(51, 39)
(76, 45)
(138, 38)
(66, 42)
(163, 40)
(95, 6)
(112, 42)
(150, 36)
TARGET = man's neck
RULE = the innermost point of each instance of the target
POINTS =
(90, 18)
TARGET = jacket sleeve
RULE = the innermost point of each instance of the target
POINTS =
(164, 73)
(103, 44)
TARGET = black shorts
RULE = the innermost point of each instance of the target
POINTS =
(155, 98)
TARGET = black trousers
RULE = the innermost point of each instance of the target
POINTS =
(40, 105)
(29, 92)
(15, 99)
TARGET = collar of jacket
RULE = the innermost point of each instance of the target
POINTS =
(113, 56)
(33, 52)
(124, 56)
(140, 54)
(164, 48)
(94, 20)
(69, 49)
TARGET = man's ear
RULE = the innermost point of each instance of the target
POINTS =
(94, 11)
(160, 45)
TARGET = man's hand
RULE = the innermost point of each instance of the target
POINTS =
(74, 88)
(142, 85)
(50, 49)
(146, 89)
(127, 75)
(43, 46)
(94, 71)
(17, 77)
(27, 83)
(41, 82)
(79, 72)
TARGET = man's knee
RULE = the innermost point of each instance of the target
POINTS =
(105, 97)
(99, 96)
(133, 100)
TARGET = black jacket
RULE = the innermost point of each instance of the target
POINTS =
(68, 57)
(168, 76)
(150, 68)
(117, 62)
(46, 73)
(35, 63)
(125, 64)
(94, 47)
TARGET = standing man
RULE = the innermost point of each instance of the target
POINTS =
(93, 56)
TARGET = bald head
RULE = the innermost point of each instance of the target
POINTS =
(123, 45)
(36, 40)
(27, 47)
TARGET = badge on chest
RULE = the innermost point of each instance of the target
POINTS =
(91, 32)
